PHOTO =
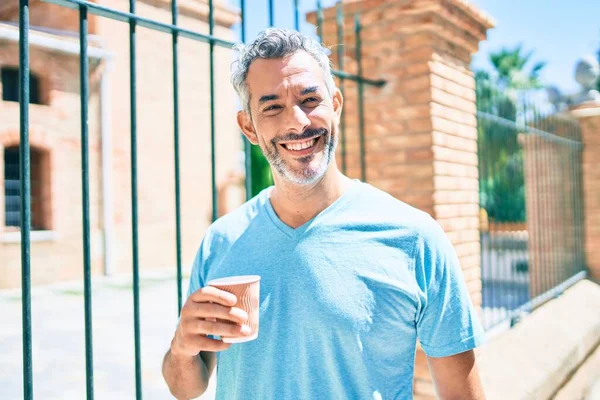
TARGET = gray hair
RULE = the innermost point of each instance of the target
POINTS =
(275, 43)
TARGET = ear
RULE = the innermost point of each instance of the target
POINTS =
(338, 103)
(245, 124)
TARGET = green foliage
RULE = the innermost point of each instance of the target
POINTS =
(502, 193)
(509, 65)
(260, 171)
(502, 188)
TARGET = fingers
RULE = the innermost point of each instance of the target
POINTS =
(204, 327)
(212, 311)
(213, 344)
(214, 295)
(209, 311)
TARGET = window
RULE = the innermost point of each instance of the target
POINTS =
(12, 189)
(10, 86)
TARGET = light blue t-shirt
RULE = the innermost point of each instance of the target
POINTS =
(343, 298)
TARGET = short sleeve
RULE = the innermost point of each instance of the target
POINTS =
(195, 282)
(447, 323)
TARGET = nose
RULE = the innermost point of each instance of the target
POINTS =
(297, 120)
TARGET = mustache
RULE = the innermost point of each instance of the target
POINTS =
(307, 134)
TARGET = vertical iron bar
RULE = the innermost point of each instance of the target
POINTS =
(296, 15)
(484, 237)
(340, 54)
(561, 204)
(545, 260)
(571, 191)
(536, 174)
(482, 125)
(134, 202)
(533, 214)
(320, 20)
(528, 153)
(556, 197)
(547, 204)
(576, 222)
(211, 27)
(580, 205)
(247, 144)
(514, 254)
(572, 184)
(495, 242)
(521, 148)
(577, 197)
(561, 242)
(85, 185)
(507, 237)
(25, 191)
(271, 13)
(361, 116)
(555, 201)
(174, 13)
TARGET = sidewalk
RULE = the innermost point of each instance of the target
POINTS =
(58, 339)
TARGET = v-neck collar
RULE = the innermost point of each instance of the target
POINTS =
(299, 231)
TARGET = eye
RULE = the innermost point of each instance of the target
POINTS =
(272, 108)
(310, 100)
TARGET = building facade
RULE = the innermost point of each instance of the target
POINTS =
(55, 139)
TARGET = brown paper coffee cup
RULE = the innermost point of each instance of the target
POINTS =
(247, 290)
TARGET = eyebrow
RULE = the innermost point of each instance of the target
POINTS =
(312, 89)
(270, 97)
(267, 97)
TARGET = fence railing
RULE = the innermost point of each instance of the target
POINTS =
(85, 9)
(531, 203)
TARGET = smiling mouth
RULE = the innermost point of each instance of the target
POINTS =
(301, 146)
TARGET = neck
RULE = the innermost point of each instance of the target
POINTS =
(296, 204)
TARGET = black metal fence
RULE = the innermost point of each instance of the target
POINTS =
(134, 21)
(531, 202)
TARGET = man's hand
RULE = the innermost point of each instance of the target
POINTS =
(208, 311)
(189, 364)
(456, 377)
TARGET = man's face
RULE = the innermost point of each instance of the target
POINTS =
(294, 118)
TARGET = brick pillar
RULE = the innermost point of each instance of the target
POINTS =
(421, 127)
(589, 117)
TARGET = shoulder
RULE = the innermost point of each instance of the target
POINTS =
(232, 225)
(377, 204)
(428, 240)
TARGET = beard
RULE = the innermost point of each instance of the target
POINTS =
(310, 170)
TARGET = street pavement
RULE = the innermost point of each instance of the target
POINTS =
(58, 339)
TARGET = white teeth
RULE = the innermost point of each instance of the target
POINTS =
(301, 146)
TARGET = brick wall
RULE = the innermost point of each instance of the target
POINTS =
(420, 128)
(57, 125)
(155, 137)
(589, 117)
(55, 131)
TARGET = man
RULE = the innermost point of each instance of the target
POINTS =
(351, 277)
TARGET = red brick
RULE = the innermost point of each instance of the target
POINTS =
(449, 113)
(453, 101)
(453, 75)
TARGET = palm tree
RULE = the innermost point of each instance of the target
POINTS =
(509, 66)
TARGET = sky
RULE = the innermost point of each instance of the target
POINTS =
(558, 31)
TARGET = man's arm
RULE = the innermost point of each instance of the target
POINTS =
(456, 377)
(186, 376)
(189, 363)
